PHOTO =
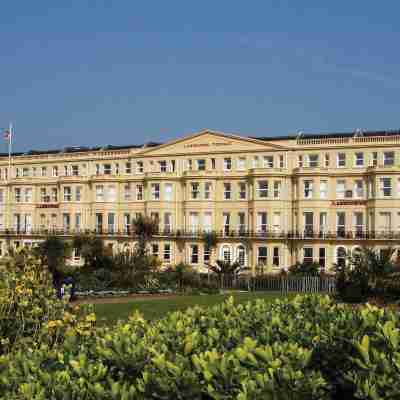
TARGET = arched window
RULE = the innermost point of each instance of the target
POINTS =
(341, 256)
(241, 255)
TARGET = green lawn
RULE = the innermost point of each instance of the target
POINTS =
(157, 308)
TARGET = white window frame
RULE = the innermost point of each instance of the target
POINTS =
(227, 190)
(388, 158)
(262, 193)
(359, 161)
(341, 160)
(385, 186)
(155, 191)
(227, 163)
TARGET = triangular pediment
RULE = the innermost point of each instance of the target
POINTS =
(208, 141)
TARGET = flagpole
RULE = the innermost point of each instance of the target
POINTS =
(9, 150)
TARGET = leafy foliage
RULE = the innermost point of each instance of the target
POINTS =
(144, 228)
(210, 240)
(30, 312)
(361, 275)
(93, 251)
(305, 269)
(53, 252)
(306, 348)
(130, 269)
(226, 267)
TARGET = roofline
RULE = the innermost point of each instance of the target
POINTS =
(83, 149)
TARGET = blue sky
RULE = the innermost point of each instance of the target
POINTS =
(84, 72)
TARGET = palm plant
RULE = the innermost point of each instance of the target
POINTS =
(225, 268)
(144, 228)
(210, 240)
(92, 251)
(363, 271)
(131, 269)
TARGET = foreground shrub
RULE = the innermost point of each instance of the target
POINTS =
(306, 348)
(30, 312)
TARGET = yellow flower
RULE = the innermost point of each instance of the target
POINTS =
(91, 317)
(68, 317)
(52, 324)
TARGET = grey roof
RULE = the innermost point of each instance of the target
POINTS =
(332, 135)
(83, 149)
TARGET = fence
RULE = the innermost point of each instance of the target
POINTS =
(306, 284)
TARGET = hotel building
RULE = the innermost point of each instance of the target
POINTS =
(271, 200)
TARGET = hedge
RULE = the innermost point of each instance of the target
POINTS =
(306, 348)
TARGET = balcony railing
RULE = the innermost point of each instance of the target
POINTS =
(221, 234)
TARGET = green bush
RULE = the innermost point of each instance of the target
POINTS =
(30, 312)
(306, 348)
(305, 269)
(366, 273)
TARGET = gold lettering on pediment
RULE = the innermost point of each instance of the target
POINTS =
(192, 145)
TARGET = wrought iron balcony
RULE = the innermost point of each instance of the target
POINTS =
(241, 234)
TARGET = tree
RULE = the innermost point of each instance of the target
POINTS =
(144, 228)
(131, 269)
(92, 250)
(210, 240)
(53, 252)
(359, 277)
(226, 268)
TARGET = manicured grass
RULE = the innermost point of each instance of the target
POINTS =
(158, 308)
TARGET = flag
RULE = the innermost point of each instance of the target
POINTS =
(7, 134)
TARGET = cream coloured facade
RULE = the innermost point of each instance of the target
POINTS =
(272, 201)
